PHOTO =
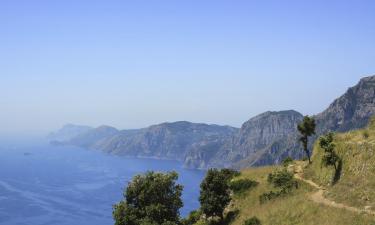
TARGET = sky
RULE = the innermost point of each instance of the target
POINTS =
(131, 64)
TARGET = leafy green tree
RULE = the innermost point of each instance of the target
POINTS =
(150, 199)
(330, 158)
(306, 129)
(215, 193)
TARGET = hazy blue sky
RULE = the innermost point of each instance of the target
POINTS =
(134, 63)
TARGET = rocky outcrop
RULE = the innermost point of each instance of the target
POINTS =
(264, 139)
(351, 111)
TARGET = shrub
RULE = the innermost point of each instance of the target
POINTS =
(287, 161)
(282, 179)
(192, 218)
(229, 174)
(366, 134)
(239, 186)
(252, 221)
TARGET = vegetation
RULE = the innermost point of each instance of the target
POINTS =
(193, 218)
(306, 129)
(150, 199)
(330, 157)
(242, 185)
(287, 161)
(293, 209)
(215, 193)
(283, 181)
(252, 221)
(355, 182)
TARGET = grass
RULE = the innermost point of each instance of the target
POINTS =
(292, 209)
(356, 186)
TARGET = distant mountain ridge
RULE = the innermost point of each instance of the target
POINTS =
(263, 140)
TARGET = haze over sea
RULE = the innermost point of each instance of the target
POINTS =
(42, 184)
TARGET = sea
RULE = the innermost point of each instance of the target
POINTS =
(42, 184)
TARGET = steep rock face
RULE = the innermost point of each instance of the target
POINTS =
(351, 111)
(270, 137)
(264, 139)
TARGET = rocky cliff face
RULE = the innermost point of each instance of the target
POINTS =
(351, 111)
(263, 140)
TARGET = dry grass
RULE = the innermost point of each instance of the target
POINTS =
(293, 209)
(356, 186)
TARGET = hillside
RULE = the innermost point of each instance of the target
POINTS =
(294, 209)
(357, 178)
(317, 200)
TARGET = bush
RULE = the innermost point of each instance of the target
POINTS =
(229, 174)
(193, 218)
(282, 179)
(239, 186)
(268, 196)
(365, 134)
(252, 221)
(287, 161)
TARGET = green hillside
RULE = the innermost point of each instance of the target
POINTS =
(356, 184)
(342, 203)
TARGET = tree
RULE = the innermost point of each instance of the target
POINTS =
(214, 194)
(306, 129)
(330, 158)
(150, 199)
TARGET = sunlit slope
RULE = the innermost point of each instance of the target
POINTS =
(356, 181)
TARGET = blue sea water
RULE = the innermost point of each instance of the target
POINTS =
(47, 185)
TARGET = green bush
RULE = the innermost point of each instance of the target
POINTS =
(239, 186)
(192, 218)
(366, 134)
(287, 161)
(229, 174)
(252, 221)
(282, 179)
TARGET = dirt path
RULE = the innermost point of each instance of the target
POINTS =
(318, 197)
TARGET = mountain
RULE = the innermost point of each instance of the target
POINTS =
(90, 138)
(272, 136)
(265, 139)
(166, 140)
(68, 132)
(351, 111)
